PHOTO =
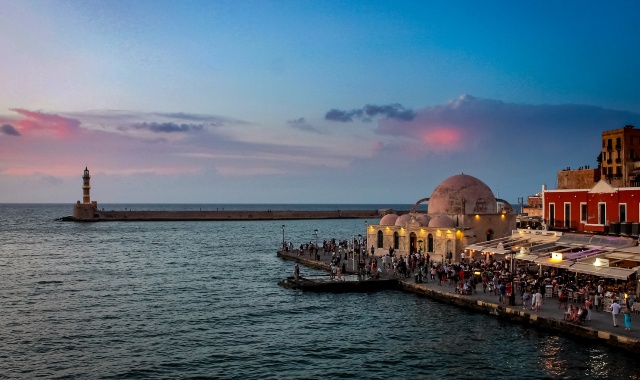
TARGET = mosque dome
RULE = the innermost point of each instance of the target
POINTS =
(423, 220)
(441, 221)
(388, 220)
(403, 220)
(462, 195)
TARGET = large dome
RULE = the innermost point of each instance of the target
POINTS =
(462, 195)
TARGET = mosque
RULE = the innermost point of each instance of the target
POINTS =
(462, 210)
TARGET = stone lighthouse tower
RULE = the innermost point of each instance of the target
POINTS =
(86, 198)
(87, 210)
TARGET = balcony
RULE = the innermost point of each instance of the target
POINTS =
(618, 146)
(609, 148)
(618, 160)
(609, 161)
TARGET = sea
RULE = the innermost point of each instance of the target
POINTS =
(200, 300)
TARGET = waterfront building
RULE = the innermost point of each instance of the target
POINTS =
(620, 157)
(600, 209)
(461, 210)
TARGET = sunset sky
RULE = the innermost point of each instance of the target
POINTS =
(307, 101)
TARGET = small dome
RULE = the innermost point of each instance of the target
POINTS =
(388, 220)
(462, 195)
(441, 221)
(403, 220)
(423, 220)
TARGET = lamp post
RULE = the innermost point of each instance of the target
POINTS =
(315, 233)
(283, 237)
(512, 301)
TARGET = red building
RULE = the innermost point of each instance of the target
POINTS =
(601, 209)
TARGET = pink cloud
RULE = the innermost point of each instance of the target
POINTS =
(44, 124)
(443, 139)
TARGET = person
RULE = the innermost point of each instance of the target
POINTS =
(627, 320)
(296, 271)
(508, 292)
(537, 300)
(568, 313)
(587, 305)
(596, 301)
(615, 310)
(562, 298)
(503, 293)
(526, 298)
(372, 250)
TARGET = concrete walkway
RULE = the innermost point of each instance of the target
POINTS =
(600, 321)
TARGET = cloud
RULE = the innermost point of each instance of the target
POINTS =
(390, 111)
(8, 129)
(302, 125)
(43, 123)
(469, 122)
(169, 127)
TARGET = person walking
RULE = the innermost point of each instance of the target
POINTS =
(615, 310)
(588, 305)
(627, 320)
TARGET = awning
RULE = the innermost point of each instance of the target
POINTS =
(497, 251)
(608, 272)
(547, 261)
(526, 257)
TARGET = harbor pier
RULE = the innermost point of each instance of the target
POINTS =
(549, 318)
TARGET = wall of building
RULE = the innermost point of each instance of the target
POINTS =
(578, 179)
(629, 197)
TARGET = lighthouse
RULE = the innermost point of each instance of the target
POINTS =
(87, 210)
(86, 198)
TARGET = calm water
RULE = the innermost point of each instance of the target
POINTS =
(200, 300)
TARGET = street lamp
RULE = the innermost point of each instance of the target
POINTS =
(283, 237)
(315, 232)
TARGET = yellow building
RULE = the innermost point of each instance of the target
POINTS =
(620, 157)
(462, 210)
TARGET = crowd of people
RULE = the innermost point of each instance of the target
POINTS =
(517, 284)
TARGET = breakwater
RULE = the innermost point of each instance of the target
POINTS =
(209, 215)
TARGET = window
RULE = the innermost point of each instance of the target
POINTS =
(430, 243)
(396, 240)
(567, 215)
(380, 239)
(552, 214)
(602, 213)
(632, 154)
(623, 212)
(583, 212)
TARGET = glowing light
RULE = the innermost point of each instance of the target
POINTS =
(556, 256)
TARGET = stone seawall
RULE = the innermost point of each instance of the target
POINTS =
(549, 318)
(101, 215)
(516, 314)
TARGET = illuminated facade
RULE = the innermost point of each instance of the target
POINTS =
(462, 210)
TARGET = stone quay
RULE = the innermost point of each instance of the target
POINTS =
(549, 318)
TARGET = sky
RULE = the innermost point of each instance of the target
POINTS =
(306, 101)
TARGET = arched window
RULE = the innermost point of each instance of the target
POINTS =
(396, 240)
(380, 239)
(430, 243)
